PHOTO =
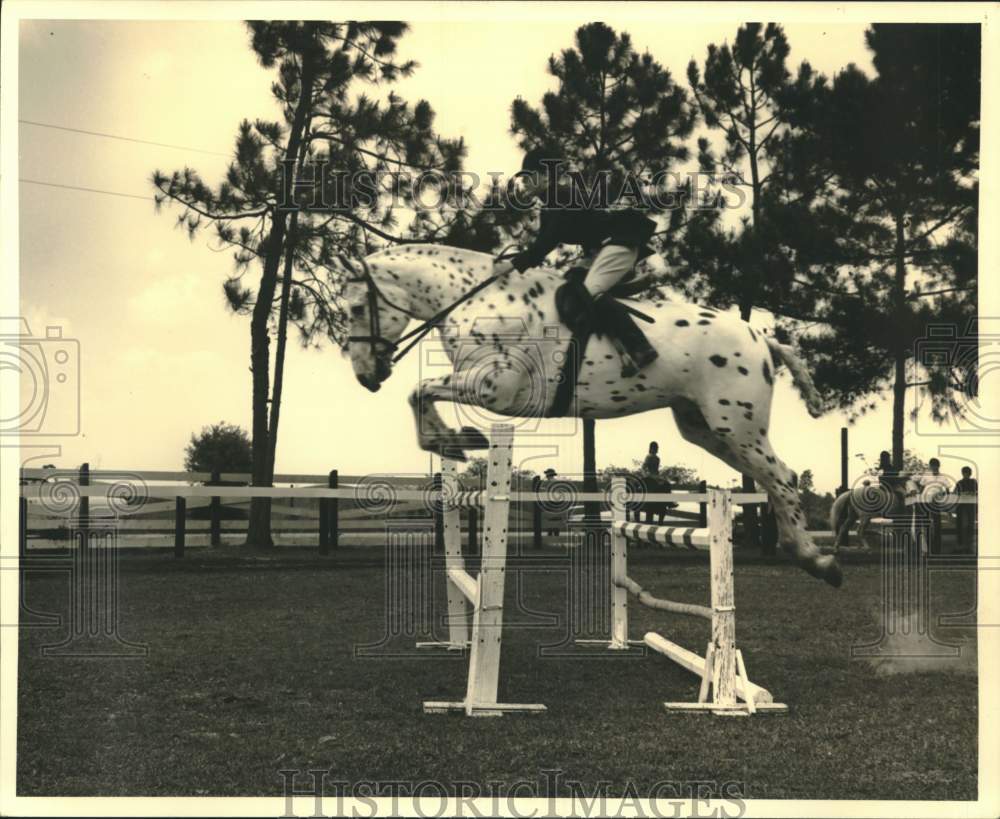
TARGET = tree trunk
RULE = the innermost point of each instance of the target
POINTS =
(259, 525)
(898, 410)
(279, 353)
(592, 511)
(899, 383)
(751, 523)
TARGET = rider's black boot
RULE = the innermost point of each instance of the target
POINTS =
(622, 325)
(576, 306)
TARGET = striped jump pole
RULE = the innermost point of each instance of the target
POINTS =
(480, 597)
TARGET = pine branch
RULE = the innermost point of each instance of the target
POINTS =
(915, 296)
(949, 218)
(214, 216)
(381, 157)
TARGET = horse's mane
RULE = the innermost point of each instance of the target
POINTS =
(469, 257)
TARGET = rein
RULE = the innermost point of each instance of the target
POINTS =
(423, 329)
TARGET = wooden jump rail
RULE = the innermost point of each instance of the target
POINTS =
(722, 670)
(479, 599)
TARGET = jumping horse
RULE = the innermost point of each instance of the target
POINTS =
(508, 348)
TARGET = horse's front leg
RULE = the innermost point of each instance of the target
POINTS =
(433, 434)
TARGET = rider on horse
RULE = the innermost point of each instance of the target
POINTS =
(613, 241)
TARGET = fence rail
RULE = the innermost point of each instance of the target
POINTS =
(157, 503)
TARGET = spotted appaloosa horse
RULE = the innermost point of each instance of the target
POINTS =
(506, 346)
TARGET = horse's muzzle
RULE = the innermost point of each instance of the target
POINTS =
(370, 383)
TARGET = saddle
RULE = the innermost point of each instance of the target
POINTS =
(586, 317)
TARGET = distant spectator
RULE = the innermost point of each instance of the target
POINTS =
(967, 513)
(890, 478)
(651, 466)
(933, 478)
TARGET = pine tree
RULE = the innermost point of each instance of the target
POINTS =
(300, 191)
(739, 94)
(616, 117)
(879, 212)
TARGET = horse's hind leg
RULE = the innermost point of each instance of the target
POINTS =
(746, 449)
(844, 532)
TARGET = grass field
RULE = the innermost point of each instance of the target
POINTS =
(252, 669)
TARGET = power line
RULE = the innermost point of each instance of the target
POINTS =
(87, 190)
(122, 138)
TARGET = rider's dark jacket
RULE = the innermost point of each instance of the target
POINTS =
(590, 228)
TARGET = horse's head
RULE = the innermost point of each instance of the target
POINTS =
(379, 313)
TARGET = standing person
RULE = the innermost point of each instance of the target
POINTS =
(931, 484)
(651, 471)
(966, 513)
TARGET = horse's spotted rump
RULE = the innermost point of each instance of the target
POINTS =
(718, 360)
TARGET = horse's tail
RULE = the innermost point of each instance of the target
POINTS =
(783, 354)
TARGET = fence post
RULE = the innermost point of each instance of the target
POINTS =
(334, 510)
(180, 522)
(473, 530)
(324, 526)
(843, 461)
(536, 514)
(703, 507)
(84, 515)
(215, 510)
(438, 507)
(22, 538)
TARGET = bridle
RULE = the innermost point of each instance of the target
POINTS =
(381, 346)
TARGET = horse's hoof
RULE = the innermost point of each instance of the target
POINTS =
(472, 438)
(825, 568)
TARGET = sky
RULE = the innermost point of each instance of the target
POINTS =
(161, 356)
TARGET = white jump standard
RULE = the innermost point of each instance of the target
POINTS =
(722, 669)
(481, 596)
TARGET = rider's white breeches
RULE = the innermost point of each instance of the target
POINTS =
(610, 266)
